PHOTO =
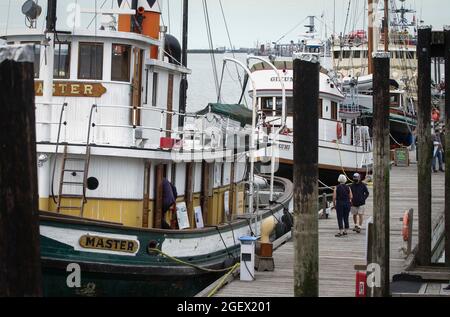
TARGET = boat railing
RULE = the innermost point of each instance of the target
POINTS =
(195, 136)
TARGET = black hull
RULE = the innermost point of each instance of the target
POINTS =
(400, 132)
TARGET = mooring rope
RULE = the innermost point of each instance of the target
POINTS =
(187, 263)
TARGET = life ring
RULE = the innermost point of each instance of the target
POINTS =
(339, 131)
(405, 229)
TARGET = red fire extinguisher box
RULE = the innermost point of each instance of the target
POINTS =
(361, 284)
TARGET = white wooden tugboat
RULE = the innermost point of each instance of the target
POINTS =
(109, 139)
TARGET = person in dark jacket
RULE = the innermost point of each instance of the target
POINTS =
(360, 195)
(342, 198)
(169, 202)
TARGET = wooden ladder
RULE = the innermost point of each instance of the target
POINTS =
(67, 172)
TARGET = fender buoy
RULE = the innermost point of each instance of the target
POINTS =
(405, 229)
(339, 131)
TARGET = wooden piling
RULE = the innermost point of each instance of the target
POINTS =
(447, 146)
(20, 266)
(306, 154)
(381, 154)
(425, 145)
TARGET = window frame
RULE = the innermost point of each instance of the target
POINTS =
(155, 87)
(69, 50)
(35, 45)
(80, 44)
(129, 47)
(334, 110)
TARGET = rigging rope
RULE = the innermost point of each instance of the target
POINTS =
(7, 18)
(211, 46)
(232, 48)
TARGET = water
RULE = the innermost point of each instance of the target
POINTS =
(202, 88)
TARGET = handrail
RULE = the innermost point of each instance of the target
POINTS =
(88, 153)
(155, 109)
(64, 105)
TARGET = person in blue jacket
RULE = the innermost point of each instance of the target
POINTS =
(360, 195)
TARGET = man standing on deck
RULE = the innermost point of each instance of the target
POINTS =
(437, 152)
(360, 195)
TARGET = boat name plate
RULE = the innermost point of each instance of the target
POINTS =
(72, 89)
(109, 244)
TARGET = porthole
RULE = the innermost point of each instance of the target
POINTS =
(92, 183)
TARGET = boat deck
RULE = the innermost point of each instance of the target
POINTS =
(337, 257)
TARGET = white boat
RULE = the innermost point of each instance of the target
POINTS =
(344, 146)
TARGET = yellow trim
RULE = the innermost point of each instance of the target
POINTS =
(129, 212)
(44, 204)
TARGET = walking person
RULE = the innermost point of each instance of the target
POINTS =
(437, 152)
(342, 197)
(360, 194)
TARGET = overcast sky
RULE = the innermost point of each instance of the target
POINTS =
(249, 21)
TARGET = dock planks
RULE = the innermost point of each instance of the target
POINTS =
(337, 257)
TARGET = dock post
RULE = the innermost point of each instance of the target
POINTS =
(447, 145)
(306, 155)
(20, 264)
(381, 229)
(424, 144)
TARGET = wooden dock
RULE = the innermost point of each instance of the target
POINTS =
(338, 256)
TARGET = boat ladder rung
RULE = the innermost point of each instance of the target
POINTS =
(74, 171)
(73, 183)
(69, 208)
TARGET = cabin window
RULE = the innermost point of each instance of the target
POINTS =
(279, 108)
(155, 90)
(320, 108)
(37, 56)
(334, 110)
(289, 105)
(357, 54)
(395, 100)
(120, 62)
(90, 62)
(347, 54)
(37, 60)
(344, 125)
(61, 69)
(267, 103)
(337, 54)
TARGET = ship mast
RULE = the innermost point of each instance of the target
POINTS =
(370, 36)
(184, 84)
(386, 25)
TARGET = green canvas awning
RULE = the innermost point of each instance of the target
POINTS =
(238, 113)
